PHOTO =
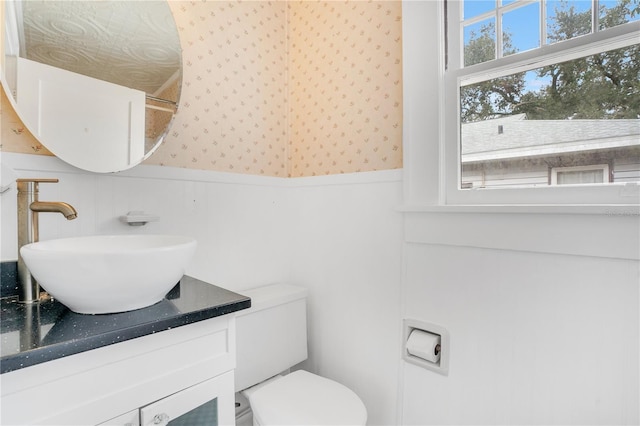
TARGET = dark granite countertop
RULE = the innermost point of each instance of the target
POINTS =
(33, 334)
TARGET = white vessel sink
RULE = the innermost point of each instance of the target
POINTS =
(109, 273)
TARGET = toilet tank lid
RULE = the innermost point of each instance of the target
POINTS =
(270, 295)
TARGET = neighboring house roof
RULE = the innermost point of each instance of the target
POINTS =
(514, 137)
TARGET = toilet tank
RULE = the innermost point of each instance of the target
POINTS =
(271, 336)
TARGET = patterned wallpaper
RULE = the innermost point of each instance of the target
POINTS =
(283, 88)
(233, 110)
(345, 68)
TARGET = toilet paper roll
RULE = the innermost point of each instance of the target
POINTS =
(424, 345)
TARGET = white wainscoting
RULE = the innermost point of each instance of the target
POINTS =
(340, 236)
(535, 338)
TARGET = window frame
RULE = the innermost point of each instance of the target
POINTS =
(455, 75)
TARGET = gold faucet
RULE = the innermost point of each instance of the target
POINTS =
(54, 207)
(28, 208)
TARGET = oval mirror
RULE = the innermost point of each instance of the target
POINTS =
(96, 82)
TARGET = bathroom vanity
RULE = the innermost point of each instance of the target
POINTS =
(148, 366)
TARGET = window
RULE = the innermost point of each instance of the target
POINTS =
(580, 175)
(542, 101)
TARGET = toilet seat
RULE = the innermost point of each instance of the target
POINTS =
(303, 398)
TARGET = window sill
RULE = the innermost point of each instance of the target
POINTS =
(577, 230)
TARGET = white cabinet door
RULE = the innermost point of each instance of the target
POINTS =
(208, 403)
(85, 121)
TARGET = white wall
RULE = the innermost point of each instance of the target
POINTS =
(536, 337)
(542, 305)
(339, 236)
(348, 252)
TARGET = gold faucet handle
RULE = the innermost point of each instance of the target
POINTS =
(31, 184)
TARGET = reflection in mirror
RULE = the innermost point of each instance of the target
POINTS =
(93, 80)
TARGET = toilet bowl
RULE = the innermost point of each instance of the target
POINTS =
(271, 337)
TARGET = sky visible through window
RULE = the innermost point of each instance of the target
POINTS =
(522, 23)
(522, 26)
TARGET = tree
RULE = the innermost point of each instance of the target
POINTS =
(601, 86)
(492, 98)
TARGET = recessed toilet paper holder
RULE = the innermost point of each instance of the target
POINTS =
(426, 345)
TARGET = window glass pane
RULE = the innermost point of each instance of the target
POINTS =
(477, 7)
(567, 19)
(564, 20)
(521, 29)
(480, 42)
(617, 12)
(583, 112)
(576, 177)
(206, 414)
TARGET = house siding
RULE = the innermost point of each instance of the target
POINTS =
(624, 166)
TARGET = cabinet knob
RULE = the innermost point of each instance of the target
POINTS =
(161, 419)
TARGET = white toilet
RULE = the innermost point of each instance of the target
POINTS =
(271, 337)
